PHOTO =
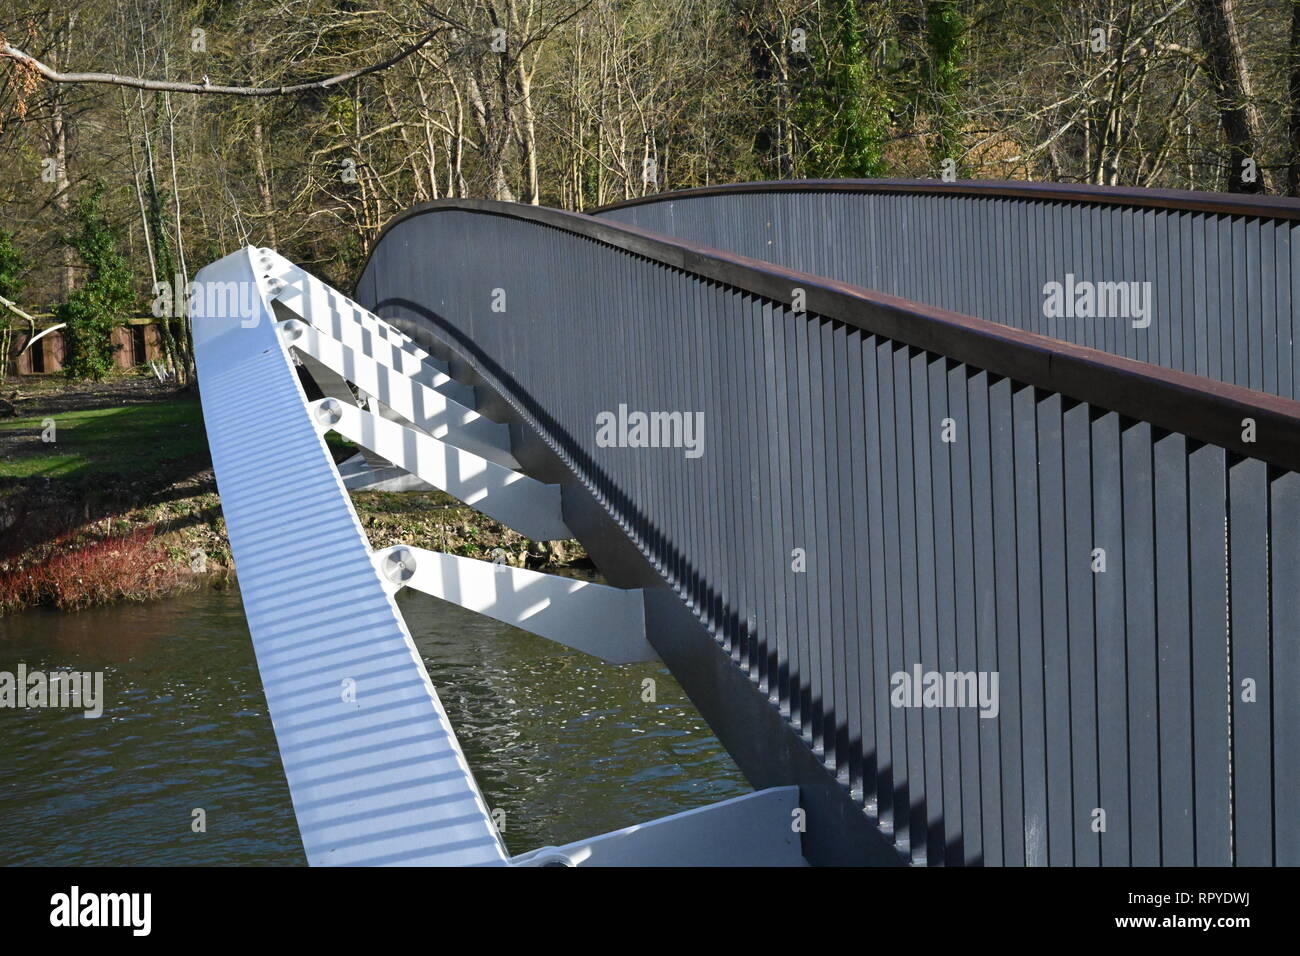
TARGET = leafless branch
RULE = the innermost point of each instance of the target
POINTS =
(26, 62)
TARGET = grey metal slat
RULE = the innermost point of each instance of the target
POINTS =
(802, 530)
(1064, 507)
(774, 545)
(1253, 314)
(703, 468)
(1140, 634)
(1152, 229)
(900, 801)
(985, 609)
(880, 594)
(1030, 596)
(1173, 619)
(1250, 653)
(857, 577)
(1192, 293)
(788, 649)
(907, 483)
(724, 466)
(1207, 515)
(1263, 299)
(1130, 268)
(1232, 311)
(798, 528)
(1295, 308)
(1285, 329)
(1284, 554)
(822, 703)
(954, 761)
(831, 637)
(1109, 651)
(848, 561)
(1010, 686)
(750, 613)
(923, 429)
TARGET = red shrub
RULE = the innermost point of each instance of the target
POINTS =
(75, 574)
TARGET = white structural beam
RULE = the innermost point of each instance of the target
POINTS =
(348, 331)
(374, 769)
(605, 622)
(342, 319)
(757, 829)
(431, 411)
(334, 385)
(335, 314)
(517, 501)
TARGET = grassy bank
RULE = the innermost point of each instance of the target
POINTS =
(107, 494)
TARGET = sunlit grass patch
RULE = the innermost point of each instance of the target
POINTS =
(124, 440)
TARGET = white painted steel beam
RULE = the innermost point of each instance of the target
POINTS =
(431, 411)
(757, 829)
(605, 622)
(374, 769)
(517, 501)
(342, 319)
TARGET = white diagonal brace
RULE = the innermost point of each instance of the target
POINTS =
(370, 337)
(344, 319)
(431, 411)
(517, 501)
(756, 829)
(605, 622)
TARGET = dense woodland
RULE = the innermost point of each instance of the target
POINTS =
(109, 187)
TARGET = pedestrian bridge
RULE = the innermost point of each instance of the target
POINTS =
(966, 513)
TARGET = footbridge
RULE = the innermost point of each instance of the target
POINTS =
(965, 513)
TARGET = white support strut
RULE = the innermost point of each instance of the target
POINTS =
(605, 622)
(757, 829)
(517, 501)
(335, 314)
(431, 411)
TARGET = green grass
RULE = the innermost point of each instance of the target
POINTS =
(126, 440)
(336, 441)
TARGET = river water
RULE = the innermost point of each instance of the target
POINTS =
(563, 743)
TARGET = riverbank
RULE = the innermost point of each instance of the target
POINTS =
(107, 494)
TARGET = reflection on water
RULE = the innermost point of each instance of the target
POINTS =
(560, 741)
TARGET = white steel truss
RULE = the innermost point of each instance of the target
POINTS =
(373, 764)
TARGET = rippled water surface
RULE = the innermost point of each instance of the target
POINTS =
(561, 742)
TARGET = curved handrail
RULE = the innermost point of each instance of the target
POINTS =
(1227, 204)
(1199, 407)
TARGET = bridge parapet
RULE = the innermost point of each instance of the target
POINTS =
(889, 498)
(1204, 283)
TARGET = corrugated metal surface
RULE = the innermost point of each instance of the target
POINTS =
(376, 775)
(1121, 580)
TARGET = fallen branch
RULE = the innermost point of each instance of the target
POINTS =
(17, 311)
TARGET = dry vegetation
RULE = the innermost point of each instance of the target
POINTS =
(576, 103)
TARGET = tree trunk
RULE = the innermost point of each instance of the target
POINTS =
(1293, 137)
(1225, 61)
(58, 151)
(264, 184)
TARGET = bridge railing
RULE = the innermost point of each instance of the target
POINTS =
(876, 490)
(1200, 282)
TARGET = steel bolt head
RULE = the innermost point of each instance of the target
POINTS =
(329, 411)
(399, 565)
